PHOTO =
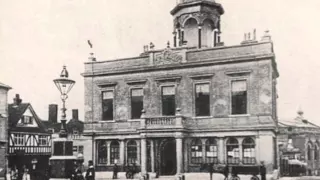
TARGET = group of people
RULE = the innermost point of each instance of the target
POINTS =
(77, 173)
(15, 174)
(234, 173)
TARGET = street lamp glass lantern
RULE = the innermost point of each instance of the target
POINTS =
(64, 84)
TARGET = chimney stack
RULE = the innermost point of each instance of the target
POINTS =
(75, 114)
(17, 100)
(53, 113)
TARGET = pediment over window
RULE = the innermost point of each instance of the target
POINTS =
(238, 73)
(136, 82)
(106, 84)
(171, 79)
(202, 76)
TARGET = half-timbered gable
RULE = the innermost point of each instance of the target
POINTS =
(28, 137)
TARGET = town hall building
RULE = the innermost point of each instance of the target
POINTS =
(195, 102)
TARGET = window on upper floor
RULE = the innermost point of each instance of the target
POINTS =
(239, 97)
(27, 119)
(43, 140)
(19, 139)
(136, 103)
(168, 100)
(202, 99)
(107, 105)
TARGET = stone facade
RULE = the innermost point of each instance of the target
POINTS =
(305, 137)
(184, 140)
(3, 127)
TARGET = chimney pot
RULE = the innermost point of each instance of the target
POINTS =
(53, 113)
(75, 114)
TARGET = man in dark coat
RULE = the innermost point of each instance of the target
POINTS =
(115, 172)
(211, 170)
(263, 171)
(226, 171)
(90, 174)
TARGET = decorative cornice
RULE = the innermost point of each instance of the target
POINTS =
(204, 62)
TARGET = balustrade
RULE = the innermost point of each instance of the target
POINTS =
(160, 121)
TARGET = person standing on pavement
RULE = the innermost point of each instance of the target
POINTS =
(26, 175)
(115, 171)
(263, 171)
(226, 172)
(90, 174)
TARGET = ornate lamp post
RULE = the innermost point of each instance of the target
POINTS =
(62, 159)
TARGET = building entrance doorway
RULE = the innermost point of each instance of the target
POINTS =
(168, 165)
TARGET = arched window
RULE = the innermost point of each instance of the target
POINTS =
(131, 152)
(211, 151)
(196, 151)
(233, 153)
(102, 152)
(316, 151)
(248, 149)
(191, 32)
(309, 151)
(114, 152)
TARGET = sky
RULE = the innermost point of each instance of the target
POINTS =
(38, 37)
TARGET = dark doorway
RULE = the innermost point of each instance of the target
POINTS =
(168, 158)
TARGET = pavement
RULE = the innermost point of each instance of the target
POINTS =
(196, 176)
(188, 176)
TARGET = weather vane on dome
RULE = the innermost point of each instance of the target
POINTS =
(90, 44)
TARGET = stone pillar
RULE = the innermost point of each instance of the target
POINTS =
(108, 153)
(152, 156)
(203, 150)
(221, 150)
(240, 150)
(179, 155)
(121, 157)
(143, 155)
(199, 36)
(138, 152)
(174, 38)
(257, 149)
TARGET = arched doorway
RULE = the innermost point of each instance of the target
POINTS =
(168, 165)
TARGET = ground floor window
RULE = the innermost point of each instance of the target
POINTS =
(102, 152)
(114, 152)
(131, 152)
(233, 153)
(248, 149)
(196, 151)
(211, 151)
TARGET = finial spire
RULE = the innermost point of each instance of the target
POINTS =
(300, 112)
(151, 46)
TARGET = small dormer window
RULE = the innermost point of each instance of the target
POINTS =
(27, 120)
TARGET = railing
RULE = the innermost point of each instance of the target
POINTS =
(40, 150)
(160, 121)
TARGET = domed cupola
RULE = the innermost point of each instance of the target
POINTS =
(197, 23)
